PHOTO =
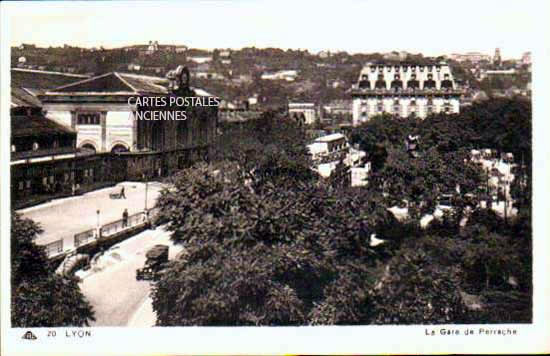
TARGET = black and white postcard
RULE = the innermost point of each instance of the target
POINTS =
(254, 177)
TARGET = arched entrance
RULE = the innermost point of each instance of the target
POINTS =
(88, 147)
(118, 148)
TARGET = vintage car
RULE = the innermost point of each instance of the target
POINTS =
(157, 257)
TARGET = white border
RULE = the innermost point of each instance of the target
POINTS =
(301, 340)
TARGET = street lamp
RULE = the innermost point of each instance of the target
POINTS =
(146, 189)
(97, 225)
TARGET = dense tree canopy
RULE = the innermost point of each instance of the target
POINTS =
(39, 297)
(267, 242)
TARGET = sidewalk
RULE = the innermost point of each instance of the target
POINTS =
(63, 218)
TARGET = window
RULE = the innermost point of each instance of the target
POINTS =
(28, 184)
(88, 119)
(35, 146)
(21, 185)
(44, 180)
(51, 179)
(13, 148)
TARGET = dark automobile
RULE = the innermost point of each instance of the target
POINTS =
(157, 257)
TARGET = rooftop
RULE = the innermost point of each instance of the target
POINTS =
(331, 137)
(40, 79)
(35, 124)
(117, 83)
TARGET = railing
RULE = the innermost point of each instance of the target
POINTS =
(56, 248)
(120, 225)
(42, 152)
(84, 237)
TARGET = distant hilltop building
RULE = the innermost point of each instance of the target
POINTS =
(302, 112)
(200, 59)
(288, 75)
(497, 60)
(474, 57)
(404, 90)
(526, 58)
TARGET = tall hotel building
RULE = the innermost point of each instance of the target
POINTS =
(406, 90)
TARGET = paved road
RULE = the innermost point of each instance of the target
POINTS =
(65, 217)
(111, 286)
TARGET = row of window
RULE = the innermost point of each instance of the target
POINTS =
(398, 77)
(403, 68)
(398, 109)
(50, 180)
(88, 119)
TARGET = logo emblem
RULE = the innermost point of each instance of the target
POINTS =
(29, 336)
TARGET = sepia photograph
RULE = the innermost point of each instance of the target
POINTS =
(262, 165)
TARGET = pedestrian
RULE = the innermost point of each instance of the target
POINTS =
(122, 195)
(125, 218)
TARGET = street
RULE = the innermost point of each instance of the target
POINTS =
(117, 298)
(62, 218)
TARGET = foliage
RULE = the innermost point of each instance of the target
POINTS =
(269, 243)
(39, 297)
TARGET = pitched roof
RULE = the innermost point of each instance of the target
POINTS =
(36, 124)
(114, 82)
(39, 79)
(23, 97)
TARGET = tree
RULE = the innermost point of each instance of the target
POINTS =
(39, 297)
(283, 254)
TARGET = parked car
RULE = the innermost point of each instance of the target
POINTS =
(157, 257)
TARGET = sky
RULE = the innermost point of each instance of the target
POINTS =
(423, 26)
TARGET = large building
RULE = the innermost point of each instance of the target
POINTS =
(102, 111)
(404, 90)
(85, 135)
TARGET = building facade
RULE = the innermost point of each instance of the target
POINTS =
(302, 112)
(103, 111)
(404, 90)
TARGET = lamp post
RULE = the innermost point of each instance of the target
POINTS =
(146, 190)
(97, 225)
